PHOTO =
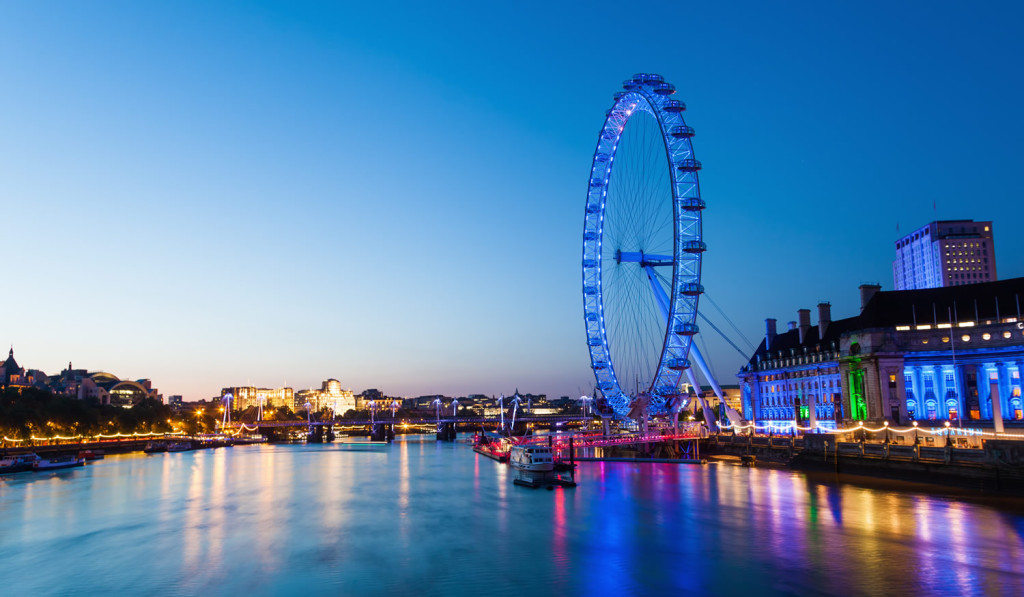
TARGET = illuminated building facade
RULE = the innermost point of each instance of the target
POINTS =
(249, 396)
(732, 395)
(330, 396)
(941, 354)
(945, 253)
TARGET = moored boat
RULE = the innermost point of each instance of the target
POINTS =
(58, 462)
(179, 446)
(152, 447)
(17, 464)
(536, 459)
(492, 446)
(91, 454)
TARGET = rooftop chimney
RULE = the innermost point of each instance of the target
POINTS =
(791, 324)
(866, 292)
(769, 336)
(804, 315)
(824, 318)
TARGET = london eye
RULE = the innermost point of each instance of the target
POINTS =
(642, 248)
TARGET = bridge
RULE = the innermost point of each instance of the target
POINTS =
(423, 421)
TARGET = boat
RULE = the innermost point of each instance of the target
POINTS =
(179, 446)
(534, 459)
(153, 447)
(17, 464)
(534, 466)
(91, 454)
(57, 462)
(492, 445)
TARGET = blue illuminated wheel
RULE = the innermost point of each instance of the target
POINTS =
(642, 246)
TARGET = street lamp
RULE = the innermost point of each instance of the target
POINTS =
(916, 440)
(947, 432)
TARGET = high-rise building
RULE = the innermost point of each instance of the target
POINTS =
(945, 253)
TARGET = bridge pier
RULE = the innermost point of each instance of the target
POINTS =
(446, 432)
(315, 435)
(382, 432)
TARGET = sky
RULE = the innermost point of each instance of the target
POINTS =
(391, 193)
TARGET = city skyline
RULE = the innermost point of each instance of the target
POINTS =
(211, 195)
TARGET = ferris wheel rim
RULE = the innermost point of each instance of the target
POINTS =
(647, 93)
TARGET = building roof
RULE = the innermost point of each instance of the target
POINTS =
(952, 304)
(10, 365)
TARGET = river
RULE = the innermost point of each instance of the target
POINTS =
(427, 518)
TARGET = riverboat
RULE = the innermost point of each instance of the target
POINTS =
(492, 446)
(91, 454)
(534, 459)
(154, 447)
(17, 464)
(57, 462)
(179, 446)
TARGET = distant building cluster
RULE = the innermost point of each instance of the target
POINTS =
(329, 396)
(106, 388)
(946, 346)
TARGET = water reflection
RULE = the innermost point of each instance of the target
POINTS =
(437, 519)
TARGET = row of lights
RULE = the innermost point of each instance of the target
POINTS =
(98, 436)
(860, 427)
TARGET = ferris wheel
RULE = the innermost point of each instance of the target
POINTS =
(642, 247)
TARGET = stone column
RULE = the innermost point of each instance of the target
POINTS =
(940, 390)
(1020, 379)
(812, 400)
(997, 399)
(984, 404)
(917, 380)
(961, 391)
(1004, 389)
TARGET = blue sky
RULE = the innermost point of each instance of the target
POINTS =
(213, 194)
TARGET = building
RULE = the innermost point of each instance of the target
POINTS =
(945, 253)
(330, 396)
(244, 397)
(731, 393)
(941, 354)
(13, 375)
(107, 388)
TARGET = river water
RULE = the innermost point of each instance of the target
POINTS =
(428, 518)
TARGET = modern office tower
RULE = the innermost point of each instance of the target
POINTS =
(945, 253)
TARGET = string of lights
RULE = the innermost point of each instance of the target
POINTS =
(98, 436)
(964, 431)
